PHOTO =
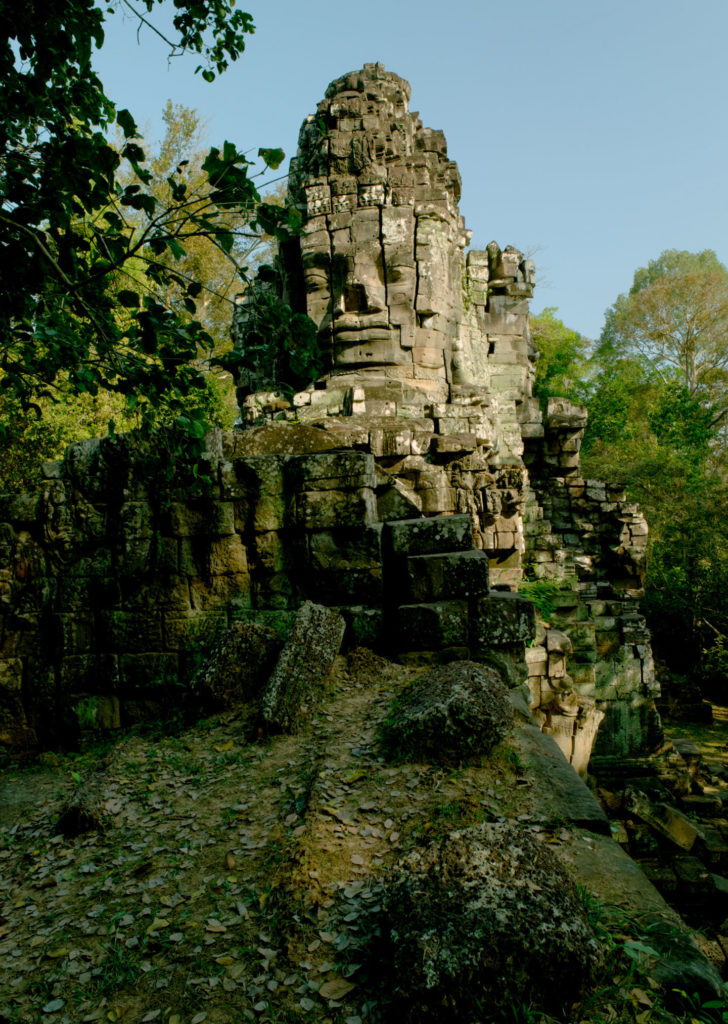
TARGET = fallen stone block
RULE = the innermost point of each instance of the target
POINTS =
(238, 664)
(666, 820)
(303, 665)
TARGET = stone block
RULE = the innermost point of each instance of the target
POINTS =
(129, 631)
(11, 675)
(665, 820)
(558, 642)
(213, 518)
(269, 513)
(74, 634)
(75, 594)
(238, 664)
(502, 618)
(321, 510)
(268, 552)
(148, 671)
(460, 574)
(556, 666)
(237, 481)
(364, 625)
(93, 566)
(334, 471)
(452, 443)
(450, 714)
(397, 501)
(428, 536)
(193, 631)
(20, 508)
(536, 660)
(220, 591)
(345, 549)
(89, 673)
(431, 626)
(390, 442)
(302, 667)
(202, 556)
(165, 591)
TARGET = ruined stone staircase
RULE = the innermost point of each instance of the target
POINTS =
(437, 598)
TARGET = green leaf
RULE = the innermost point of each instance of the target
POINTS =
(128, 299)
(126, 123)
(273, 157)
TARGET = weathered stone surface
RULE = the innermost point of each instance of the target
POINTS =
(279, 439)
(556, 790)
(457, 574)
(339, 471)
(396, 501)
(602, 866)
(485, 917)
(302, 667)
(503, 618)
(428, 536)
(450, 714)
(238, 664)
(665, 820)
(429, 627)
(426, 406)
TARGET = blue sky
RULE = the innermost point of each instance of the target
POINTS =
(592, 135)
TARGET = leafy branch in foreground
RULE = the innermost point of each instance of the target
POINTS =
(92, 255)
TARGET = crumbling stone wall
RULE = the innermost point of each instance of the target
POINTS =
(113, 589)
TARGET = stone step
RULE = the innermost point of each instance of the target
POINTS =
(458, 574)
(425, 627)
(434, 536)
(702, 805)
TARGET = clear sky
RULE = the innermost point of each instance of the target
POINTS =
(591, 134)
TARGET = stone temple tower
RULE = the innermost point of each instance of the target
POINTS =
(426, 363)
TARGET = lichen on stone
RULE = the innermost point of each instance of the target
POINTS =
(480, 920)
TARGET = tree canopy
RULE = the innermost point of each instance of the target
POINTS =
(92, 251)
(562, 356)
(656, 399)
(675, 318)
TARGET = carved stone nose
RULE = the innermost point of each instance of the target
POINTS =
(357, 297)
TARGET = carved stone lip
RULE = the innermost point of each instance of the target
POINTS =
(360, 322)
(361, 334)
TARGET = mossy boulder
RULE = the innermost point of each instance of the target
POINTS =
(451, 714)
(481, 920)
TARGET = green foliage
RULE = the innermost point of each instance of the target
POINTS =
(656, 414)
(562, 356)
(674, 320)
(281, 351)
(543, 594)
(93, 297)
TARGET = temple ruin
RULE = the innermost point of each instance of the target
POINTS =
(413, 485)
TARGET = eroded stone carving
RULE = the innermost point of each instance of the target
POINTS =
(413, 331)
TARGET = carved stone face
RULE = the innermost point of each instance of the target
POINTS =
(382, 249)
